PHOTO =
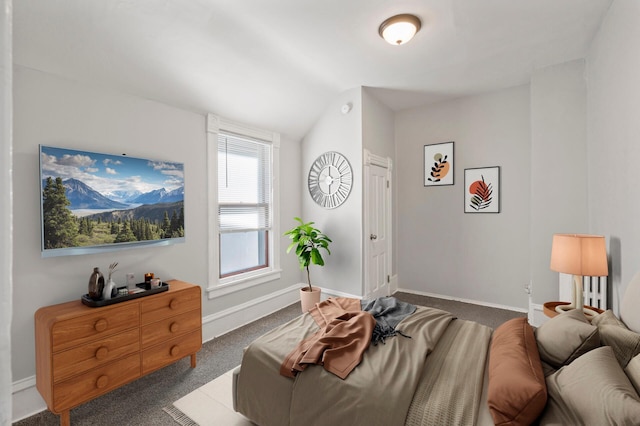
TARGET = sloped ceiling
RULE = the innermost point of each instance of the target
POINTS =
(278, 63)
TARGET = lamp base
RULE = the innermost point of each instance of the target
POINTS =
(589, 312)
(551, 309)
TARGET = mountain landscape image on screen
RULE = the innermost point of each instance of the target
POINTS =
(91, 199)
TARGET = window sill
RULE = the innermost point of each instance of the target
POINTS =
(234, 284)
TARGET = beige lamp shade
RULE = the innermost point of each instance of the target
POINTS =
(579, 254)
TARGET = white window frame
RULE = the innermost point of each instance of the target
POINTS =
(221, 286)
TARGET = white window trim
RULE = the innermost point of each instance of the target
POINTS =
(221, 286)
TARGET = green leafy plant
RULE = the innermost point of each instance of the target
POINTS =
(308, 241)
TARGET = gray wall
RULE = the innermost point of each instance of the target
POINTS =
(442, 250)
(378, 126)
(613, 67)
(51, 110)
(5, 211)
(335, 131)
(558, 167)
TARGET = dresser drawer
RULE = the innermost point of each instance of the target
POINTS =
(76, 390)
(91, 355)
(171, 327)
(168, 304)
(170, 351)
(99, 324)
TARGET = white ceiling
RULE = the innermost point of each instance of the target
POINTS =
(278, 63)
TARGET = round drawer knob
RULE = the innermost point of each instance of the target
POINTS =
(174, 327)
(174, 304)
(102, 352)
(100, 325)
(102, 382)
(175, 350)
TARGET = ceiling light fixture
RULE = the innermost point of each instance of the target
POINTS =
(399, 29)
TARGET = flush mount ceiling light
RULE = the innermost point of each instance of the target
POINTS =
(399, 29)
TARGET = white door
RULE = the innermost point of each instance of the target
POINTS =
(377, 235)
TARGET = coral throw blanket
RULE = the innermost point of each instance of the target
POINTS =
(344, 335)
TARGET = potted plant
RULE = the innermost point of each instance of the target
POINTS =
(308, 241)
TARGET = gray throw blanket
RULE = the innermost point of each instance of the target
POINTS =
(388, 312)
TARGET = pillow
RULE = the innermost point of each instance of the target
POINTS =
(516, 392)
(565, 337)
(594, 390)
(607, 317)
(624, 342)
(613, 332)
(633, 372)
(557, 413)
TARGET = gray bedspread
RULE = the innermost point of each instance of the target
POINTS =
(434, 377)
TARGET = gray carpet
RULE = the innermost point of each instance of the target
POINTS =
(141, 402)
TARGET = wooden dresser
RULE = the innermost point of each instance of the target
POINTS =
(84, 352)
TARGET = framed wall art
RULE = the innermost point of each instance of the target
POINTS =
(95, 202)
(482, 190)
(438, 164)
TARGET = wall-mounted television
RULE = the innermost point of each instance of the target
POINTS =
(93, 202)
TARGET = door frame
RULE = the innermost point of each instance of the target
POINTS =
(370, 159)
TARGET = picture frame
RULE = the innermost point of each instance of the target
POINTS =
(92, 202)
(439, 164)
(482, 190)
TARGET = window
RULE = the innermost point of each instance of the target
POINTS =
(243, 206)
(244, 196)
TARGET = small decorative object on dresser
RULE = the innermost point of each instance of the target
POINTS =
(110, 289)
(96, 284)
(83, 352)
(308, 241)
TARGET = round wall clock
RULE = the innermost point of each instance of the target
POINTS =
(330, 180)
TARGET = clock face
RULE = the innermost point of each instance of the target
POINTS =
(330, 180)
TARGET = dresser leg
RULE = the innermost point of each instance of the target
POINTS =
(193, 360)
(65, 419)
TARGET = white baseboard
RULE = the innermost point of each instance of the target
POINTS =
(327, 292)
(458, 299)
(26, 400)
(236, 316)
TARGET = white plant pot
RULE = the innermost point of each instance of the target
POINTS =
(308, 299)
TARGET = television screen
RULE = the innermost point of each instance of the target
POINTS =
(93, 202)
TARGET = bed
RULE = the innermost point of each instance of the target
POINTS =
(453, 372)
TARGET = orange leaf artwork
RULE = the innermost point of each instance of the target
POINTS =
(440, 168)
(481, 194)
(439, 164)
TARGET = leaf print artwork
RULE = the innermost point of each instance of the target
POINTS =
(439, 164)
(482, 190)
(440, 168)
(481, 194)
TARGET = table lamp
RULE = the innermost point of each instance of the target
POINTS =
(579, 255)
